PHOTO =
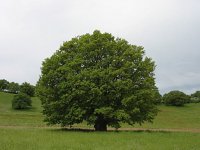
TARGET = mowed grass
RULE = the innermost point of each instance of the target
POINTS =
(26, 130)
(49, 139)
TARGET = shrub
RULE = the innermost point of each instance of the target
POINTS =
(21, 101)
(195, 97)
(196, 94)
(175, 98)
(194, 100)
(3, 84)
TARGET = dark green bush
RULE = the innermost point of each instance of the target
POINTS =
(195, 97)
(21, 101)
(194, 100)
(196, 94)
(175, 98)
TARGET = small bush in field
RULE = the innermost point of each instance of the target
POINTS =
(21, 101)
(175, 98)
(195, 97)
(194, 100)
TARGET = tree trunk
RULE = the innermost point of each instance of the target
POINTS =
(100, 125)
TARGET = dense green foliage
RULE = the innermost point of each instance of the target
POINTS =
(21, 101)
(99, 79)
(3, 84)
(27, 88)
(13, 87)
(176, 98)
(195, 97)
(196, 94)
(157, 97)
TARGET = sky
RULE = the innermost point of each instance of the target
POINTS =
(169, 31)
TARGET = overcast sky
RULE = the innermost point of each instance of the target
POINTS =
(169, 30)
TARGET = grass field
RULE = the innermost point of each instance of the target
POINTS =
(10, 117)
(49, 139)
(26, 130)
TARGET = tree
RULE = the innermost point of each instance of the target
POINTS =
(27, 88)
(196, 94)
(13, 87)
(175, 98)
(195, 97)
(3, 84)
(157, 96)
(100, 79)
(21, 101)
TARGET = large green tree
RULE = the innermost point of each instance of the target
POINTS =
(100, 79)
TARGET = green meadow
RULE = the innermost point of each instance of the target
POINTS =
(26, 130)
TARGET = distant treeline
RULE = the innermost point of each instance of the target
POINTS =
(179, 98)
(15, 88)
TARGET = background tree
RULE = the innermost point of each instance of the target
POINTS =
(3, 84)
(195, 97)
(27, 88)
(100, 79)
(175, 98)
(13, 87)
(196, 94)
(157, 96)
(21, 101)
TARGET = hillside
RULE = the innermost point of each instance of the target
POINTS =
(10, 117)
(169, 117)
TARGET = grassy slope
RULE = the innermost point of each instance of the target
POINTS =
(21, 137)
(177, 117)
(168, 117)
(10, 117)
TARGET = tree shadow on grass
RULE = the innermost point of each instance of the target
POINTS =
(109, 131)
(73, 130)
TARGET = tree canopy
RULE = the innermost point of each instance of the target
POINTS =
(27, 88)
(196, 94)
(176, 98)
(195, 97)
(100, 79)
(13, 87)
(3, 84)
